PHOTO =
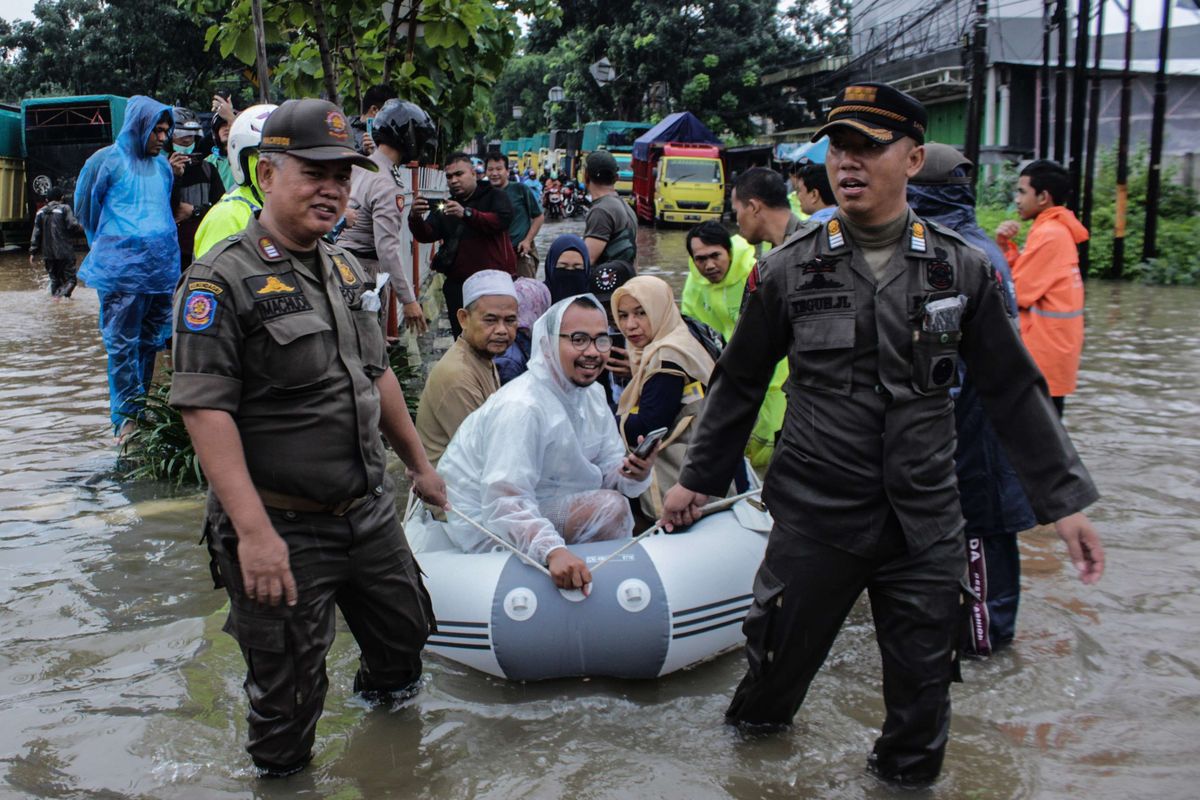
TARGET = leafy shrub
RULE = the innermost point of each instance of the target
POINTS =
(159, 448)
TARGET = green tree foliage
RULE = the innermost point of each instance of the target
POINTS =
(448, 64)
(96, 47)
(707, 57)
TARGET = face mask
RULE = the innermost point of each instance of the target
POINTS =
(188, 149)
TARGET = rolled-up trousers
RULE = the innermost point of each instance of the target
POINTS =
(360, 563)
(802, 594)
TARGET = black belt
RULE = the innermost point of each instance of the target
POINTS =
(287, 502)
(371, 254)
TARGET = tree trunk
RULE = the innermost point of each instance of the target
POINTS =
(412, 30)
(390, 48)
(322, 33)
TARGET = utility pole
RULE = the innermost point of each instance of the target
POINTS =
(1154, 178)
(1122, 209)
(1060, 85)
(1079, 92)
(978, 68)
(260, 58)
(1043, 150)
(1089, 180)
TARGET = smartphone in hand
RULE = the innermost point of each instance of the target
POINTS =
(648, 443)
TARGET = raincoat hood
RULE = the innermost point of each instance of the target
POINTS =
(141, 115)
(952, 205)
(1065, 217)
(566, 283)
(544, 361)
(123, 201)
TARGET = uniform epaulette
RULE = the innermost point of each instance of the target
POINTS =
(220, 247)
(945, 231)
(801, 233)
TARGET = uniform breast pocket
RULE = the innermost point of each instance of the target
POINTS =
(935, 360)
(298, 352)
(822, 354)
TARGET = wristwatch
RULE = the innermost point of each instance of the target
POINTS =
(468, 213)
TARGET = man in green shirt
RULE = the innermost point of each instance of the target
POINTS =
(527, 214)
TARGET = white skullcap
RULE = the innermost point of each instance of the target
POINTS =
(488, 282)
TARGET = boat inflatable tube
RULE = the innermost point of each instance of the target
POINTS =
(666, 603)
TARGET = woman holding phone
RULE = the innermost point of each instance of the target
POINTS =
(670, 371)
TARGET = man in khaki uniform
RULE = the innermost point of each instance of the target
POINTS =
(285, 388)
(380, 238)
(873, 309)
(465, 376)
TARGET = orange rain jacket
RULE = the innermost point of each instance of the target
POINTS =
(1050, 295)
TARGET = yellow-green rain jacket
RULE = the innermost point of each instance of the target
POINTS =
(718, 305)
(230, 214)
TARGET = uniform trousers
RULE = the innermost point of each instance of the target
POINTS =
(360, 563)
(134, 327)
(802, 594)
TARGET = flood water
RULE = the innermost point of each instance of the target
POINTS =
(115, 680)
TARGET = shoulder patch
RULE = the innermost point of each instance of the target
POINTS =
(199, 311)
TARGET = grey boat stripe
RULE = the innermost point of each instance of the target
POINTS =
(711, 617)
(719, 625)
(459, 645)
(708, 606)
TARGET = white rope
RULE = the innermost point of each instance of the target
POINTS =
(528, 560)
(716, 505)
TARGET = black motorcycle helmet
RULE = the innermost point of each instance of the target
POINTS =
(406, 127)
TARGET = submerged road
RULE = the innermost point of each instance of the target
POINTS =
(116, 681)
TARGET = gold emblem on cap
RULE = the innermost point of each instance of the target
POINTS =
(336, 122)
(862, 94)
(282, 141)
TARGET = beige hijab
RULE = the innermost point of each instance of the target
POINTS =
(670, 339)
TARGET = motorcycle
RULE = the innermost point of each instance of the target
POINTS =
(554, 203)
(568, 202)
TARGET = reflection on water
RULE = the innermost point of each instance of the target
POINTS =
(115, 680)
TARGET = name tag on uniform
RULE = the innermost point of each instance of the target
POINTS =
(277, 295)
(823, 304)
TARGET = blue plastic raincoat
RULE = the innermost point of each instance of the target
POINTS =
(123, 201)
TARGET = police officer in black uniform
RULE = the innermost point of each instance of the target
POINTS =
(872, 309)
(283, 380)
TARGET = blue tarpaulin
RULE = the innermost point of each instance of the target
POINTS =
(682, 126)
(812, 151)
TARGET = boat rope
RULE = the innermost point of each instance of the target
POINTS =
(716, 505)
(524, 557)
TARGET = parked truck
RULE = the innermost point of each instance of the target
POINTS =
(678, 174)
(616, 136)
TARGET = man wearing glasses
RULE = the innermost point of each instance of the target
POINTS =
(541, 463)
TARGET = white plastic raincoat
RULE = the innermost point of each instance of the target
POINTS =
(535, 453)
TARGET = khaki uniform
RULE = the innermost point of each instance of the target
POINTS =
(862, 485)
(285, 348)
(380, 238)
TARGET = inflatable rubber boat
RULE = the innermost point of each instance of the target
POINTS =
(662, 604)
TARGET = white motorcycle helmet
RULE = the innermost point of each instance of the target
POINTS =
(245, 134)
